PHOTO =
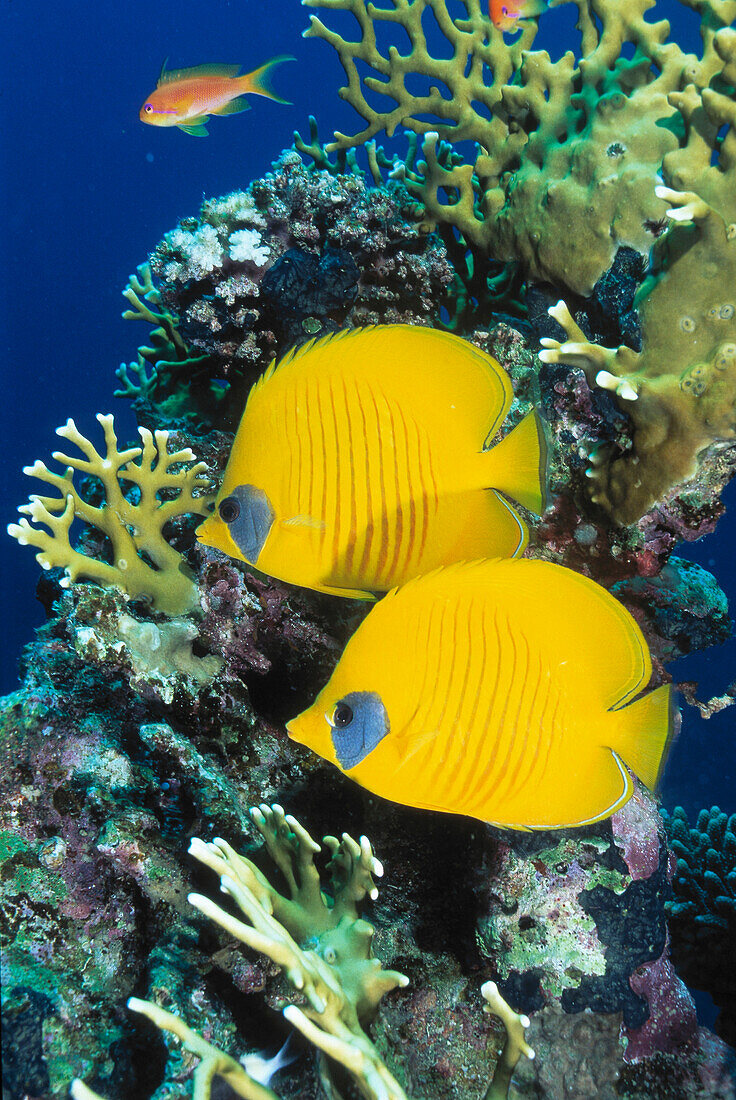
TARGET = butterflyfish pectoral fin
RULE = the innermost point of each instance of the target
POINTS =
(197, 127)
(347, 593)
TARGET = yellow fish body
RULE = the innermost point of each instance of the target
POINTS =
(497, 689)
(359, 463)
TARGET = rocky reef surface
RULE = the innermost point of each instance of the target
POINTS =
(136, 729)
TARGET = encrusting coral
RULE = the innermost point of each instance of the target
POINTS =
(324, 947)
(145, 488)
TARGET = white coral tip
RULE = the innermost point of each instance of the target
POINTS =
(377, 868)
(606, 380)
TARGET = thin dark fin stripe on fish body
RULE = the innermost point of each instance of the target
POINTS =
(466, 688)
(382, 548)
(477, 673)
(353, 486)
(321, 420)
(464, 656)
(399, 537)
(418, 719)
(518, 720)
(534, 728)
(443, 671)
(472, 757)
(497, 705)
(337, 465)
(314, 470)
(369, 480)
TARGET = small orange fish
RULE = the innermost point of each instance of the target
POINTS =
(187, 97)
(504, 13)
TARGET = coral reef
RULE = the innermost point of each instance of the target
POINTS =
(140, 724)
(702, 912)
(143, 489)
(330, 964)
(580, 143)
(576, 142)
(297, 254)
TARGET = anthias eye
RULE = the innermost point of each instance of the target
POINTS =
(343, 716)
(148, 108)
(229, 509)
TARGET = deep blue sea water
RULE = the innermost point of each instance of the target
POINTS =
(88, 191)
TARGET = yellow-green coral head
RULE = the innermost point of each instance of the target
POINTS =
(498, 689)
(359, 463)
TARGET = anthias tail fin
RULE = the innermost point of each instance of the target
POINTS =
(259, 81)
(517, 466)
(645, 731)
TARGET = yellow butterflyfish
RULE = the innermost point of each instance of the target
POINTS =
(503, 690)
(359, 463)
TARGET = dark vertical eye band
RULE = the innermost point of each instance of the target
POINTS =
(229, 509)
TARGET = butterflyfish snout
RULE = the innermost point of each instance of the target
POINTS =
(514, 694)
(247, 515)
(377, 468)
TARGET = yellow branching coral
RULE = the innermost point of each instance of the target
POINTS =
(144, 488)
(568, 150)
(324, 948)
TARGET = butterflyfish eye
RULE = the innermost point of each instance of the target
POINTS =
(342, 716)
(229, 510)
(148, 108)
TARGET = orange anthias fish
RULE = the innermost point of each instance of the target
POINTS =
(187, 97)
(504, 13)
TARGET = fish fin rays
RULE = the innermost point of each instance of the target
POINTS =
(167, 76)
(517, 466)
(259, 81)
(234, 107)
(197, 127)
(645, 731)
(347, 593)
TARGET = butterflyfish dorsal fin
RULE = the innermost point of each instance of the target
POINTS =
(294, 354)
(168, 76)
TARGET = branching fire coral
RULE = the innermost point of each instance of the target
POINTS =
(567, 150)
(324, 947)
(570, 163)
(144, 489)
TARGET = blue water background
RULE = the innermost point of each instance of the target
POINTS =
(88, 191)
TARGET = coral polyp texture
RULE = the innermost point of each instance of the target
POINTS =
(143, 489)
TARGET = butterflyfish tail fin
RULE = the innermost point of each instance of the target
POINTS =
(259, 81)
(645, 732)
(517, 466)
